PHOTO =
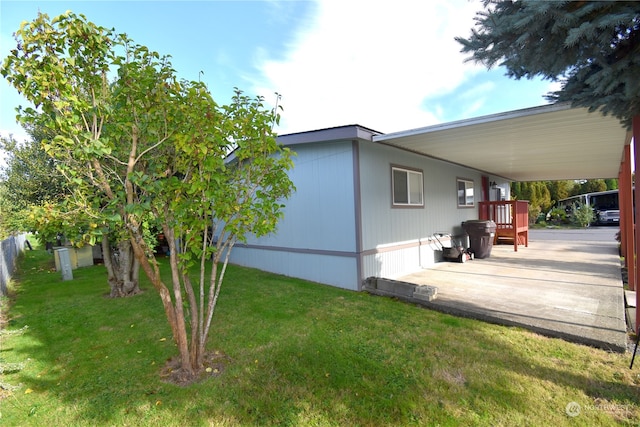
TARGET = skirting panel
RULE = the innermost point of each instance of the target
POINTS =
(334, 270)
(394, 261)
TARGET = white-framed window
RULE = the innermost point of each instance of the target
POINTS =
(407, 187)
(466, 198)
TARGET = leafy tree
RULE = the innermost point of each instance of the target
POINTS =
(559, 190)
(542, 195)
(37, 193)
(590, 186)
(145, 143)
(593, 186)
(590, 47)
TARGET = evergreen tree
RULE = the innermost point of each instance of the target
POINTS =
(612, 184)
(30, 174)
(516, 191)
(559, 190)
(27, 178)
(591, 47)
(536, 192)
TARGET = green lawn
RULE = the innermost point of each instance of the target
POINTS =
(299, 354)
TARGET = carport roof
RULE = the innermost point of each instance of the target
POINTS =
(550, 142)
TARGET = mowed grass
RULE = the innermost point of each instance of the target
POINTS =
(300, 354)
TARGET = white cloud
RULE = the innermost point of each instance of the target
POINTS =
(371, 63)
(479, 91)
(17, 134)
(474, 99)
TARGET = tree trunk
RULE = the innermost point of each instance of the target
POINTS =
(172, 309)
(122, 268)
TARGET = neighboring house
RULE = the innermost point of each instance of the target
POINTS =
(364, 208)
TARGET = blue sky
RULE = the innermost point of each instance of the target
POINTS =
(387, 65)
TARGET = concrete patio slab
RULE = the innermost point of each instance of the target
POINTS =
(566, 284)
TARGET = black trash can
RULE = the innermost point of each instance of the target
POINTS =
(481, 234)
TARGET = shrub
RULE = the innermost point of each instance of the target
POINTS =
(558, 216)
(534, 211)
(582, 214)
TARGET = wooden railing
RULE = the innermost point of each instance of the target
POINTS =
(511, 218)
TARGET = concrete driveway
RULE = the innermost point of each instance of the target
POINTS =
(566, 284)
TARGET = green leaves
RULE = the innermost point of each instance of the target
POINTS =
(147, 151)
(590, 47)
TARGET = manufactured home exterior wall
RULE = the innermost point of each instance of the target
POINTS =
(316, 239)
(339, 227)
(396, 241)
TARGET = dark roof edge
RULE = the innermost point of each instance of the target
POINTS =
(347, 132)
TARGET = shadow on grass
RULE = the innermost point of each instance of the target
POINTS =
(301, 354)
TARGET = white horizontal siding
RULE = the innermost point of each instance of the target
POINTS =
(391, 261)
